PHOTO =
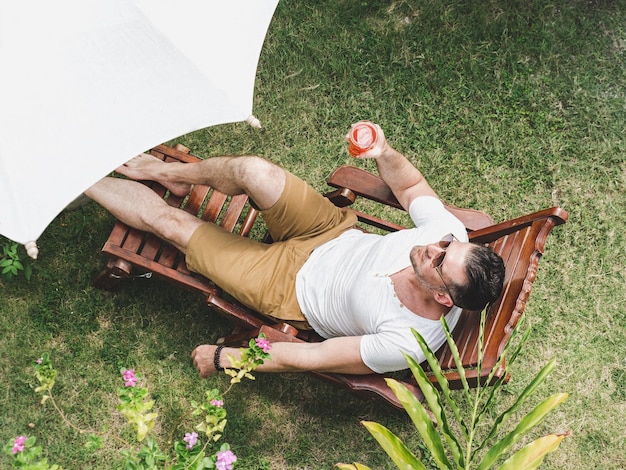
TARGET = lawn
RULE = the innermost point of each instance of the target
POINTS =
(508, 107)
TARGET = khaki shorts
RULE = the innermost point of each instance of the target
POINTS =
(263, 276)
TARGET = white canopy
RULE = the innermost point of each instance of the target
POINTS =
(85, 85)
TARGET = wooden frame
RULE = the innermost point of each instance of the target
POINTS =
(519, 241)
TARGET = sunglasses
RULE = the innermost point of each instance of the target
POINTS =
(444, 243)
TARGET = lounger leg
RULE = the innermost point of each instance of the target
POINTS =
(113, 273)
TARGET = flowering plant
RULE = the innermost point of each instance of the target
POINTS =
(193, 451)
(27, 455)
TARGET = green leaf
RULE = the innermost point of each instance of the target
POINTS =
(532, 455)
(481, 342)
(395, 448)
(28, 272)
(94, 443)
(530, 388)
(422, 422)
(526, 424)
(455, 353)
(355, 466)
(434, 403)
(488, 403)
(441, 379)
(513, 356)
(509, 360)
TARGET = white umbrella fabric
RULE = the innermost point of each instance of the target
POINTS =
(82, 81)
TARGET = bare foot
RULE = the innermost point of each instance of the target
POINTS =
(149, 167)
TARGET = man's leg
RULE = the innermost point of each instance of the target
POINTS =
(140, 207)
(260, 179)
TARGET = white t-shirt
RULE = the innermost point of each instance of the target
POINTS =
(344, 288)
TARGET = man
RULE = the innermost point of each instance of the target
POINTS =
(362, 292)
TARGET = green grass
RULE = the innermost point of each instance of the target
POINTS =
(508, 107)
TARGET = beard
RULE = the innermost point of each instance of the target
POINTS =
(418, 260)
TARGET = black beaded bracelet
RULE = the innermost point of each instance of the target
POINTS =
(216, 359)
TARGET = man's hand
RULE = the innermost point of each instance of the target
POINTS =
(406, 181)
(379, 146)
(202, 358)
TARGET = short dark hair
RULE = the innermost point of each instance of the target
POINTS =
(484, 270)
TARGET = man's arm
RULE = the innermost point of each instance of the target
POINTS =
(406, 181)
(340, 355)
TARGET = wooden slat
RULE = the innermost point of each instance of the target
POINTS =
(196, 199)
(118, 234)
(466, 334)
(133, 240)
(214, 207)
(169, 256)
(233, 211)
(151, 246)
(556, 216)
(177, 155)
(378, 223)
(248, 222)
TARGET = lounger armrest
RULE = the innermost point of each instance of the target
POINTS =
(557, 216)
(370, 186)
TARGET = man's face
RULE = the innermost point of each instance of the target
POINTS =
(441, 264)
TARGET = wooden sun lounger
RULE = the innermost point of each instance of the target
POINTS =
(519, 241)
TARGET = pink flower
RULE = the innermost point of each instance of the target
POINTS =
(130, 380)
(18, 444)
(40, 360)
(263, 344)
(190, 439)
(218, 403)
(225, 460)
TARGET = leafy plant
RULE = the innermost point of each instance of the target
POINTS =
(136, 406)
(11, 262)
(467, 450)
(27, 454)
